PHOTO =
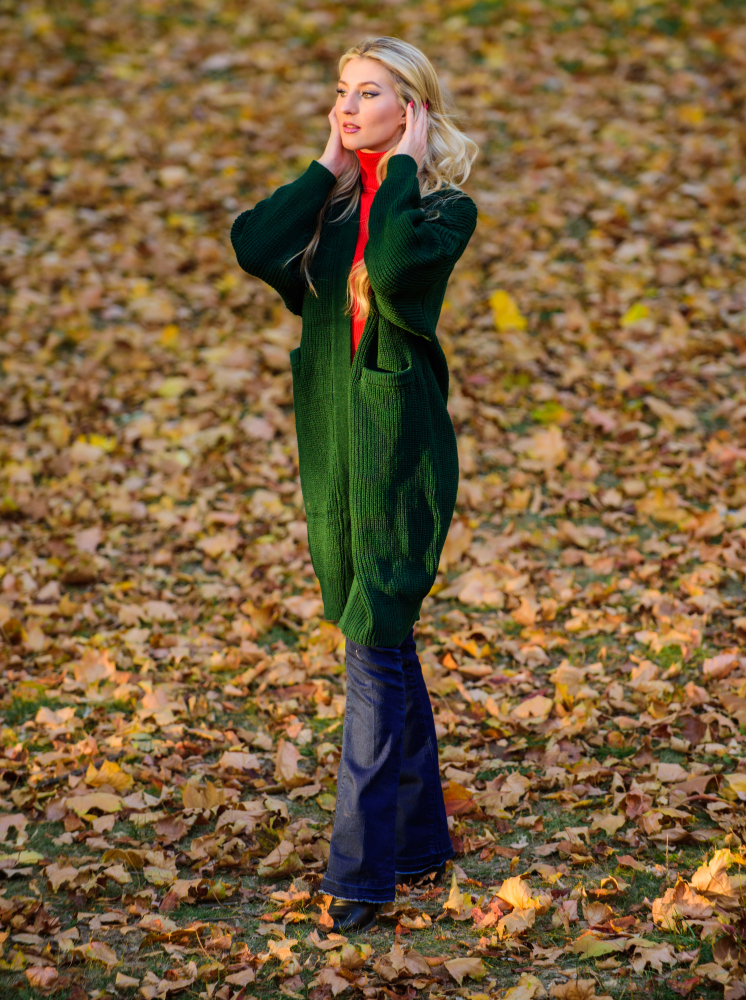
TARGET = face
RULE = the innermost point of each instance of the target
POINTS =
(368, 111)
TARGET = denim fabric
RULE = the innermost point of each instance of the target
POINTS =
(390, 816)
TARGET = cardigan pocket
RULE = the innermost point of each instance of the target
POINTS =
(395, 487)
(392, 380)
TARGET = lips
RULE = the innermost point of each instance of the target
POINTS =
(351, 128)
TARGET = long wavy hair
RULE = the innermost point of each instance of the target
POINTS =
(447, 164)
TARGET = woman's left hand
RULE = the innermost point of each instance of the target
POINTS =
(414, 140)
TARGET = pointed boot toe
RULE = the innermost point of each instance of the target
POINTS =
(352, 915)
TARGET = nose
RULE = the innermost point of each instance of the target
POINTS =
(349, 105)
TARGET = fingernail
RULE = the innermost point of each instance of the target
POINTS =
(411, 104)
(427, 104)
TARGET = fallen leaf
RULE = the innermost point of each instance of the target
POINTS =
(527, 988)
(466, 968)
(283, 860)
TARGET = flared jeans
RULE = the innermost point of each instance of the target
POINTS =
(390, 816)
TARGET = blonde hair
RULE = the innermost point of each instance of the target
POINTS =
(448, 159)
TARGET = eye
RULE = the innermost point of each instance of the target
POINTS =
(364, 93)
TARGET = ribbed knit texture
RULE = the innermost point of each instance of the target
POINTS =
(368, 165)
(377, 450)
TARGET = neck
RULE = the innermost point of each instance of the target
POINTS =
(369, 160)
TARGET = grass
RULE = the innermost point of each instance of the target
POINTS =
(21, 709)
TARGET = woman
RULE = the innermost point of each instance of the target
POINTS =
(377, 451)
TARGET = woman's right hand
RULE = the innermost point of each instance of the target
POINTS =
(335, 157)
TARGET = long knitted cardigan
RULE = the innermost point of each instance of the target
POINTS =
(377, 450)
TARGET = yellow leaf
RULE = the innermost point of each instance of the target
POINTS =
(110, 773)
(169, 335)
(172, 388)
(516, 922)
(691, 114)
(505, 311)
(590, 946)
(159, 876)
(737, 782)
(459, 905)
(107, 444)
(635, 313)
(516, 892)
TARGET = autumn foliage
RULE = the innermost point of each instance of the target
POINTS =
(171, 703)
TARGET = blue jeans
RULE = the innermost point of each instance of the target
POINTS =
(390, 815)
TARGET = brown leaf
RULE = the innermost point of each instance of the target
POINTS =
(711, 878)
(103, 802)
(528, 987)
(331, 978)
(680, 901)
(283, 860)
(287, 771)
(683, 986)
(171, 829)
(466, 968)
(576, 989)
(202, 797)
(597, 913)
(458, 800)
(42, 977)
(97, 951)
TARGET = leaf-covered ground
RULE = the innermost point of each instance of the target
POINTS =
(171, 702)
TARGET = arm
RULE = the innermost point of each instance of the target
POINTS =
(277, 228)
(406, 255)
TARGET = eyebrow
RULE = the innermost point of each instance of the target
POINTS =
(364, 82)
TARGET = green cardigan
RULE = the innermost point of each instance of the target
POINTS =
(377, 450)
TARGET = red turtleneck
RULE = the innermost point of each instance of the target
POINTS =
(368, 164)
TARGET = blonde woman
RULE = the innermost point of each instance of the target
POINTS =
(361, 246)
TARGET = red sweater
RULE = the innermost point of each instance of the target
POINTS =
(368, 164)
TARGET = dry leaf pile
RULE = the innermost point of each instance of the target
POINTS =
(171, 703)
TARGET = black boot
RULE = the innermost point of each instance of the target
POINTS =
(352, 915)
(432, 876)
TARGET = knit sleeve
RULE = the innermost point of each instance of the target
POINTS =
(407, 253)
(267, 236)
